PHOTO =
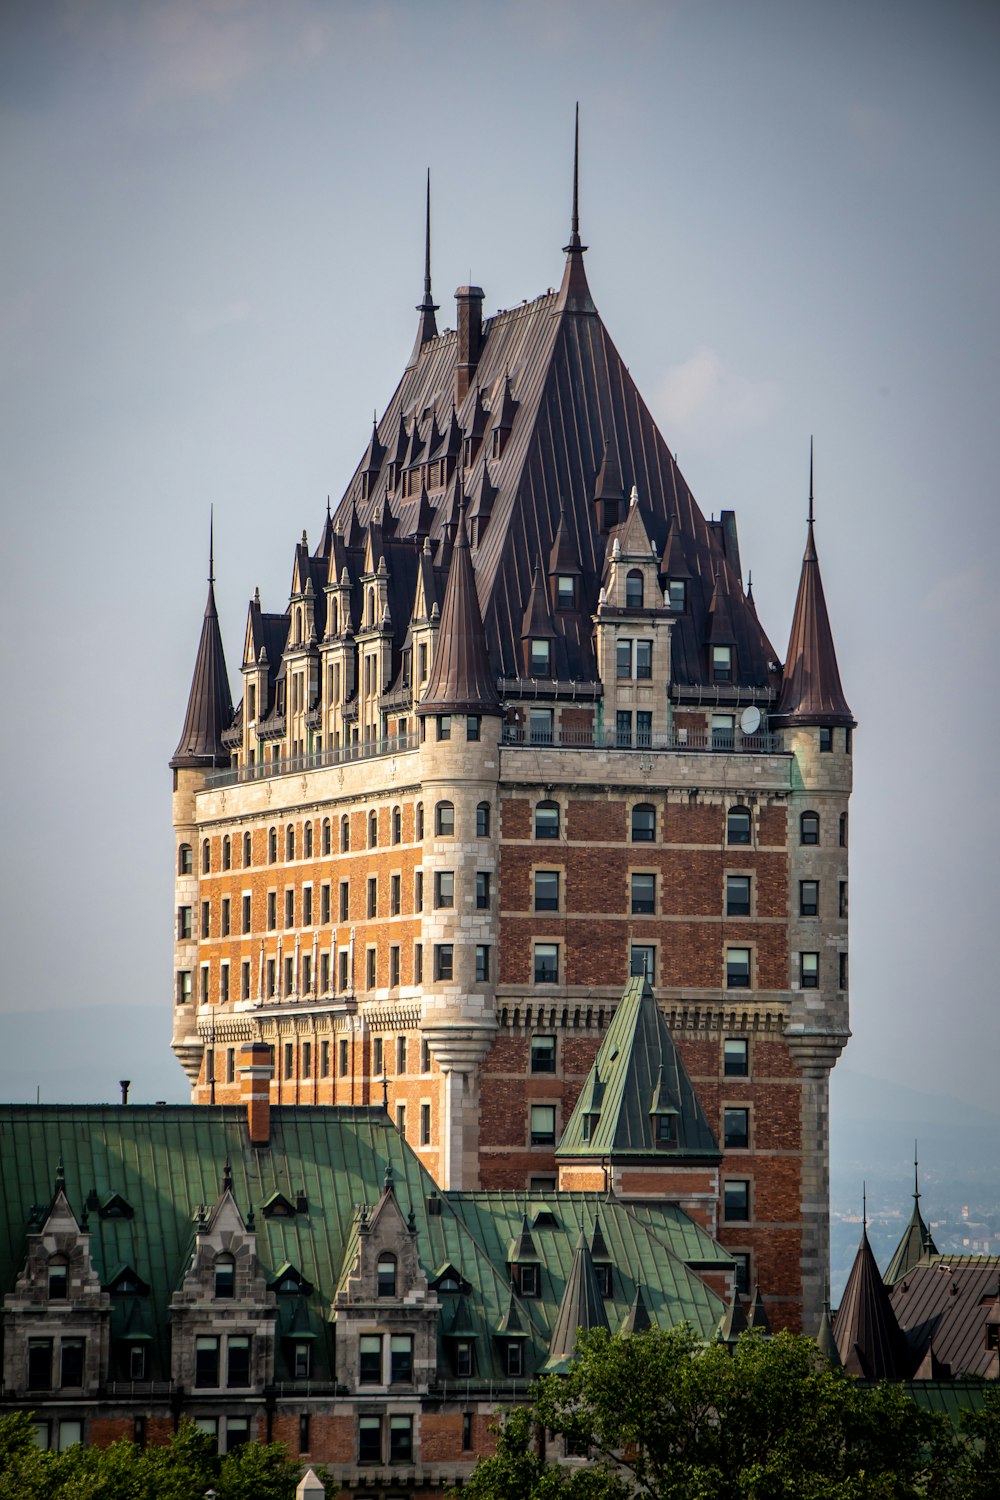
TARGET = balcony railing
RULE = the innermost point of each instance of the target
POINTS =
(701, 741)
(364, 750)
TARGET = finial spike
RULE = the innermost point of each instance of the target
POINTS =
(864, 1208)
(427, 242)
(916, 1180)
(575, 225)
(211, 544)
(811, 515)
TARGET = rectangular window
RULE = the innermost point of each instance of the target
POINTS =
(39, 1364)
(369, 1440)
(370, 1359)
(482, 963)
(736, 1129)
(71, 1363)
(245, 979)
(565, 591)
(418, 890)
(514, 1358)
(737, 895)
(808, 898)
(543, 1124)
(643, 658)
(226, 916)
(472, 727)
(443, 961)
(736, 1199)
(307, 905)
(394, 964)
(206, 919)
(324, 903)
(394, 894)
(307, 1057)
(463, 1366)
(372, 896)
(444, 726)
(738, 968)
(741, 1278)
(370, 968)
(378, 1055)
(224, 983)
(482, 890)
(539, 658)
(289, 974)
(722, 663)
(342, 1057)
(204, 984)
(289, 1059)
(324, 1059)
(230, 1064)
(271, 980)
(735, 1058)
(137, 1362)
(842, 977)
(272, 910)
(546, 890)
(183, 922)
(418, 963)
(540, 726)
(206, 1363)
(543, 1054)
(642, 960)
(546, 963)
(247, 907)
(425, 1124)
(401, 1118)
(644, 894)
(184, 987)
(842, 899)
(723, 731)
(425, 1057)
(342, 975)
(289, 908)
(444, 888)
(324, 973)
(237, 1362)
(401, 1054)
(529, 1280)
(623, 729)
(400, 1440)
(400, 1357)
(677, 595)
(623, 658)
(643, 727)
(809, 971)
(825, 738)
(345, 900)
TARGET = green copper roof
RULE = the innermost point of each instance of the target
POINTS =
(637, 1078)
(581, 1308)
(916, 1245)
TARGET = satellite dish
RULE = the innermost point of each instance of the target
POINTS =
(750, 720)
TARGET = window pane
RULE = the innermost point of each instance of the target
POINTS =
(736, 1129)
(737, 895)
(644, 893)
(735, 1053)
(738, 968)
(543, 1124)
(546, 963)
(547, 820)
(543, 1054)
(736, 1200)
(643, 823)
(738, 826)
(546, 890)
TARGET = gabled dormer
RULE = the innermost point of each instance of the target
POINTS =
(565, 572)
(538, 634)
(524, 1264)
(57, 1319)
(475, 426)
(609, 496)
(504, 409)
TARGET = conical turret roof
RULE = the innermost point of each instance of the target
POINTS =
(810, 691)
(461, 680)
(210, 704)
(869, 1340)
(916, 1244)
(581, 1308)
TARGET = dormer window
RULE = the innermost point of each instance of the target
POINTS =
(540, 658)
(225, 1276)
(666, 1130)
(722, 663)
(633, 589)
(604, 1273)
(565, 591)
(58, 1278)
(529, 1280)
(499, 438)
(590, 1124)
(677, 595)
(385, 1276)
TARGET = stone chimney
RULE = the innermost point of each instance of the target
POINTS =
(469, 301)
(255, 1083)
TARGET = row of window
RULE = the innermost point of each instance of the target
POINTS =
(323, 1060)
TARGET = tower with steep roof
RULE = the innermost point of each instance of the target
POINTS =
(517, 734)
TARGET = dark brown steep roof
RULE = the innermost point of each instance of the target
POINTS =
(869, 1340)
(811, 692)
(945, 1306)
(210, 705)
(461, 679)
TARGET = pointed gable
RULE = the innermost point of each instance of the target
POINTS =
(810, 691)
(210, 704)
(917, 1243)
(638, 1075)
(637, 1319)
(869, 1340)
(461, 680)
(581, 1309)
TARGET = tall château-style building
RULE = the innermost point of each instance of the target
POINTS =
(518, 734)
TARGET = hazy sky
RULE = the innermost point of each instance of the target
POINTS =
(210, 258)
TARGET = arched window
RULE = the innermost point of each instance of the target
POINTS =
(185, 863)
(206, 856)
(373, 829)
(483, 820)
(227, 853)
(444, 820)
(633, 589)
(547, 820)
(809, 828)
(843, 830)
(307, 841)
(247, 851)
(290, 841)
(225, 1276)
(738, 825)
(418, 819)
(397, 825)
(58, 1277)
(643, 823)
(272, 845)
(326, 844)
(386, 1275)
(345, 834)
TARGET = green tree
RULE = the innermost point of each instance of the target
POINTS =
(663, 1417)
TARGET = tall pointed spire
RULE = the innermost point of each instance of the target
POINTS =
(210, 706)
(917, 1241)
(461, 678)
(427, 326)
(810, 691)
(868, 1337)
(574, 294)
(581, 1309)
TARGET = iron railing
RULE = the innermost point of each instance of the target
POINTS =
(702, 741)
(263, 770)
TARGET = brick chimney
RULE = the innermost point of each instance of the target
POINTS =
(469, 301)
(255, 1089)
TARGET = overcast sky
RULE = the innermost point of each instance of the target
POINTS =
(211, 252)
